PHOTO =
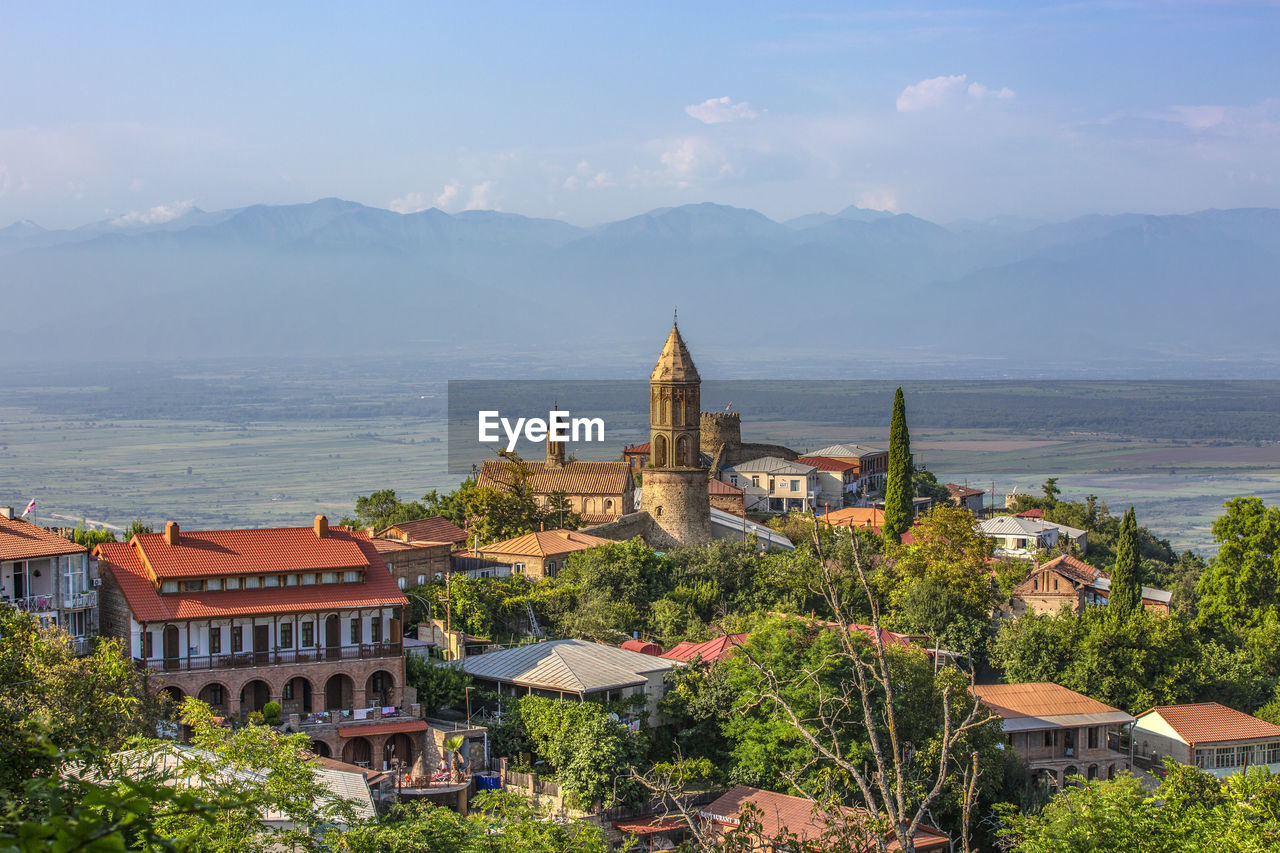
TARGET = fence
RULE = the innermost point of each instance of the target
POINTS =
(243, 660)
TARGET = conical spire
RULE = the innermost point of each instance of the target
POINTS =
(675, 364)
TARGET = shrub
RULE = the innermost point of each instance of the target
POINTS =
(271, 713)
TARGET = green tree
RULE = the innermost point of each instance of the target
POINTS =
(607, 592)
(898, 492)
(1125, 597)
(438, 686)
(593, 756)
(1241, 586)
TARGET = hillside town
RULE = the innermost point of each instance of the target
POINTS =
(704, 644)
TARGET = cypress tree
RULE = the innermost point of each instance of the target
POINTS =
(898, 489)
(1126, 574)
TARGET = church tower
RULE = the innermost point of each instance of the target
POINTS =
(555, 449)
(675, 483)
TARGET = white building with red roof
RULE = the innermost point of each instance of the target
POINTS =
(47, 576)
(1213, 737)
(305, 616)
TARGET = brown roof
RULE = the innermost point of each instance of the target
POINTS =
(1031, 513)
(858, 516)
(779, 813)
(546, 543)
(707, 652)
(433, 529)
(361, 729)
(124, 562)
(572, 478)
(1036, 699)
(674, 364)
(388, 546)
(720, 487)
(1210, 722)
(825, 463)
(1068, 566)
(960, 492)
(637, 449)
(21, 540)
(216, 553)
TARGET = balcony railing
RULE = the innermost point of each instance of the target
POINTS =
(36, 603)
(275, 657)
(78, 600)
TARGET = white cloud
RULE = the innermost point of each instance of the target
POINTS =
(879, 199)
(136, 185)
(1199, 117)
(479, 198)
(157, 215)
(721, 110)
(583, 177)
(414, 202)
(601, 180)
(692, 158)
(448, 195)
(938, 91)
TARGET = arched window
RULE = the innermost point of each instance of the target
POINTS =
(683, 458)
(660, 451)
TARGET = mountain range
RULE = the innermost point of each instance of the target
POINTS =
(856, 293)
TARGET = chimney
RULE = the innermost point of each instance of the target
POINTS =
(322, 527)
(7, 512)
(171, 532)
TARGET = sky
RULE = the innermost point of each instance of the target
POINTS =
(593, 112)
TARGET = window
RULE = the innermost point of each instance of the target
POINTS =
(355, 629)
(1273, 752)
(77, 623)
(271, 580)
(308, 634)
(1049, 738)
(1055, 584)
(375, 629)
(214, 692)
(518, 568)
(213, 584)
(733, 479)
(251, 582)
(328, 577)
(215, 641)
(146, 644)
(233, 583)
(351, 577)
(1093, 737)
(290, 580)
(771, 487)
(1204, 758)
(237, 638)
(286, 636)
(422, 579)
(287, 693)
(168, 586)
(309, 578)
(755, 481)
(192, 586)
(400, 582)
(1224, 756)
(795, 485)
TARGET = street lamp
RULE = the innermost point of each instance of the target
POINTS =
(467, 692)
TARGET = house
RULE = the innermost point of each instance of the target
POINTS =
(1058, 732)
(50, 577)
(1066, 581)
(414, 563)
(636, 456)
(1211, 736)
(305, 616)
(1021, 537)
(541, 554)
(727, 497)
(574, 669)
(597, 491)
(782, 815)
(709, 651)
(872, 462)
(775, 485)
(433, 529)
(970, 499)
(837, 480)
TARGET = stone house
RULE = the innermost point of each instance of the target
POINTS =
(1058, 732)
(970, 499)
(542, 554)
(1074, 584)
(308, 617)
(50, 577)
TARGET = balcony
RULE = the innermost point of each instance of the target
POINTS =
(80, 600)
(275, 657)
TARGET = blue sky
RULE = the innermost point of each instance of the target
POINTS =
(592, 112)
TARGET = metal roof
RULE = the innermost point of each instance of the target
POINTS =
(847, 451)
(772, 465)
(567, 666)
(1149, 593)
(726, 522)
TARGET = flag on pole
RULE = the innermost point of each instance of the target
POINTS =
(30, 507)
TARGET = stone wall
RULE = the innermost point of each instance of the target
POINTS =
(627, 527)
(720, 429)
(677, 501)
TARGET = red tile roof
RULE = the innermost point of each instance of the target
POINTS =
(720, 487)
(572, 478)
(649, 825)
(1211, 722)
(363, 729)
(709, 651)
(779, 813)
(857, 516)
(1068, 566)
(545, 543)
(22, 540)
(961, 492)
(637, 449)
(123, 561)
(1036, 699)
(433, 529)
(826, 463)
(1031, 513)
(216, 553)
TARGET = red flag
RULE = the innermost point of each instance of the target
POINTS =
(30, 507)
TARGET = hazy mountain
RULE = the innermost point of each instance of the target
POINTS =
(836, 294)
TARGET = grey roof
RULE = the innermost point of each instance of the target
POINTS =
(772, 465)
(1148, 592)
(847, 451)
(568, 666)
(727, 522)
(1013, 525)
(1063, 721)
